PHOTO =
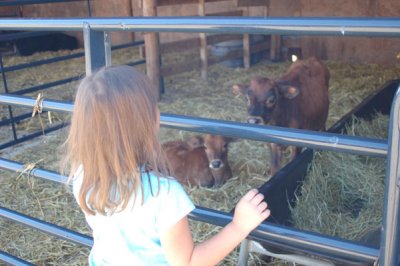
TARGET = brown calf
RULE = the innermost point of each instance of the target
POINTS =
(200, 161)
(298, 99)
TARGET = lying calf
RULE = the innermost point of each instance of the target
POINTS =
(199, 161)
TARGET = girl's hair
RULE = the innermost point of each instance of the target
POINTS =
(114, 135)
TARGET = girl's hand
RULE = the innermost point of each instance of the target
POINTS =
(250, 211)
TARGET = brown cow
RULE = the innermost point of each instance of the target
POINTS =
(298, 99)
(200, 161)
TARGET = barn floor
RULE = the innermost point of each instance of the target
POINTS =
(185, 94)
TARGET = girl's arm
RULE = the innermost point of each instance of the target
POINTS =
(178, 244)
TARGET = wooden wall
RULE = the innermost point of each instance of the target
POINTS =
(98, 8)
(354, 49)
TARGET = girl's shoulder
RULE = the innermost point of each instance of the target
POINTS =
(159, 184)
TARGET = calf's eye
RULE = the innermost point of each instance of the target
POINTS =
(270, 101)
(247, 99)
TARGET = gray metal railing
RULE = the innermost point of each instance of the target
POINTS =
(98, 54)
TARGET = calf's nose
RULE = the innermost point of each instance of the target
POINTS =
(254, 120)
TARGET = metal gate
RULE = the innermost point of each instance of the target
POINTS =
(98, 53)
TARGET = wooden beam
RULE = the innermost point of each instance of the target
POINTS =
(203, 43)
(242, 3)
(246, 44)
(180, 68)
(194, 43)
(275, 51)
(151, 41)
(183, 2)
(171, 70)
(234, 13)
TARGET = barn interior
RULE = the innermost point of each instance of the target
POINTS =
(197, 73)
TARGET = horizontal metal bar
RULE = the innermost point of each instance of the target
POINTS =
(32, 135)
(37, 172)
(47, 85)
(44, 226)
(42, 62)
(280, 135)
(15, 119)
(285, 136)
(12, 260)
(4, 37)
(140, 62)
(341, 26)
(64, 57)
(266, 232)
(48, 105)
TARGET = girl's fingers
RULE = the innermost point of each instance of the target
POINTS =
(262, 206)
(250, 194)
(257, 199)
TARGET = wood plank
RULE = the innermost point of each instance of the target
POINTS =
(242, 3)
(234, 13)
(213, 39)
(194, 43)
(171, 70)
(34, 2)
(203, 42)
(183, 2)
(182, 45)
(275, 50)
(151, 41)
(180, 68)
(246, 45)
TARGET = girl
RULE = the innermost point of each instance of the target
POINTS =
(120, 180)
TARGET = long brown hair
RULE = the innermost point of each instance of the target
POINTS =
(114, 133)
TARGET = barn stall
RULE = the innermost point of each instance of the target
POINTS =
(249, 158)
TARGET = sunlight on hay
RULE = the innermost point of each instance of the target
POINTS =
(343, 194)
(185, 94)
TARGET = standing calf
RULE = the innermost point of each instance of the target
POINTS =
(298, 99)
(199, 161)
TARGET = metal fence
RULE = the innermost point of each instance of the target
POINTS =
(98, 53)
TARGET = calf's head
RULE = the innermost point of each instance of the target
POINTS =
(216, 150)
(263, 96)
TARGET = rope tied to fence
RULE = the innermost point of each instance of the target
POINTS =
(38, 109)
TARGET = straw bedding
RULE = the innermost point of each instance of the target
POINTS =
(185, 94)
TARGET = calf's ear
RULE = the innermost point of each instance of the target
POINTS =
(196, 141)
(289, 92)
(238, 89)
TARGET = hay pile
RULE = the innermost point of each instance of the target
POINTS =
(185, 94)
(343, 194)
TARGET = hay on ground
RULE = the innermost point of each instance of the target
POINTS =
(185, 94)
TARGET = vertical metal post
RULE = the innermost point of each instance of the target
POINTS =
(390, 246)
(6, 91)
(94, 49)
(244, 252)
(107, 43)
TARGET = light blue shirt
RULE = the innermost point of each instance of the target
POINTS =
(132, 236)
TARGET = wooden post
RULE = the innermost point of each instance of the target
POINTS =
(246, 44)
(151, 42)
(203, 44)
(275, 44)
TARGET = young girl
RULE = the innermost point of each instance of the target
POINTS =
(138, 213)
